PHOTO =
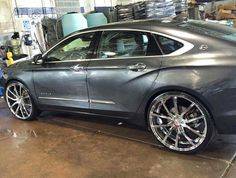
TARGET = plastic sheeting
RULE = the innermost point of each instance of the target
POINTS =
(180, 6)
(160, 8)
(147, 9)
(125, 13)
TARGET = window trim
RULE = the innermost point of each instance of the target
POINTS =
(126, 57)
(93, 46)
(187, 46)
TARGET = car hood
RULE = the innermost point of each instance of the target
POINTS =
(24, 64)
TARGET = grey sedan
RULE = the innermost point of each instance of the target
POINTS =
(175, 78)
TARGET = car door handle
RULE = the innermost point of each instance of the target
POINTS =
(77, 68)
(137, 67)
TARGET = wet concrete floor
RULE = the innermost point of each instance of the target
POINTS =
(74, 146)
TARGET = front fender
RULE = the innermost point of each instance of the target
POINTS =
(23, 76)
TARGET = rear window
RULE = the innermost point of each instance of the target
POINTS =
(211, 29)
(168, 45)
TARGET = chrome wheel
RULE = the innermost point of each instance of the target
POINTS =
(178, 121)
(19, 100)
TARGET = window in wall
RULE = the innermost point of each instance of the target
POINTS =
(117, 44)
(65, 6)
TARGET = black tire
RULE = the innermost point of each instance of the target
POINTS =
(179, 125)
(20, 101)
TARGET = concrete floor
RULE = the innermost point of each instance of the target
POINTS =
(71, 146)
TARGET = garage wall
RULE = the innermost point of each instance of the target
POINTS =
(123, 2)
(33, 8)
(103, 4)
(64, 6)
(6, 23)
(11, 11)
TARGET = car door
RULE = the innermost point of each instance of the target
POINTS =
(61, 79)
(126, 66)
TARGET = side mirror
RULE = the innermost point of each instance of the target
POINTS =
(38, 59)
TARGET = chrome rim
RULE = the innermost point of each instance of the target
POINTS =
(19, 101)
(178, 121)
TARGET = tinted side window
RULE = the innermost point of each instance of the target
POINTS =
(115, 44)
(168, 45)
(77, 47)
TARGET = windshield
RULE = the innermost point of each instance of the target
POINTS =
(211, 29)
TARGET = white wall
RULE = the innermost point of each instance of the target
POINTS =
(90, 4)
(8, 18)
(34, 3)
(6, 23)
(124, 2)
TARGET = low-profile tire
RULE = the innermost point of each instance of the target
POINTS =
(20, 102)
(180, 122)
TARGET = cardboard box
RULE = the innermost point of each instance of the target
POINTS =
(225, 11)
(230, 6)
(234, 23)
(221, 16)
(220, 7)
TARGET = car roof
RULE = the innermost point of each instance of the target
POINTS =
(135, 24)
(170, 27)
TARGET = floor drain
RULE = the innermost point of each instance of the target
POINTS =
(24, 134)
(5, 133)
